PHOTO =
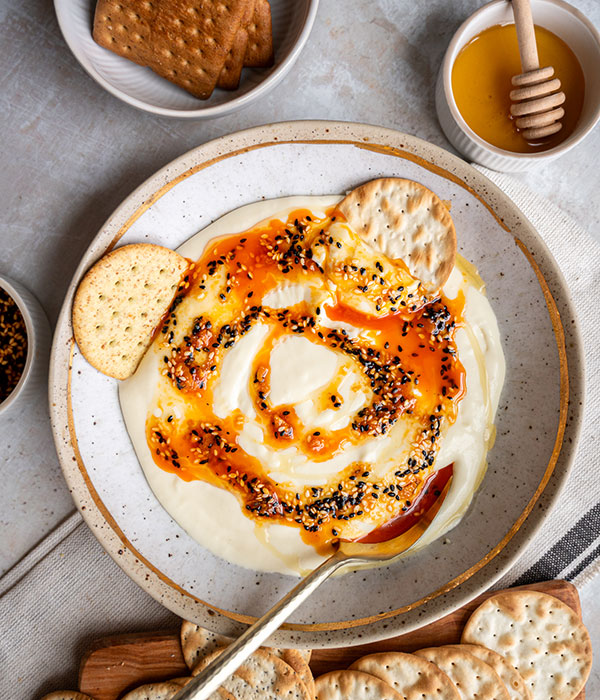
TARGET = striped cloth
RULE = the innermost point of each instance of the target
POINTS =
(568, 545)
(68, 591)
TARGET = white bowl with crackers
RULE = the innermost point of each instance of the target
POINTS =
(120, 444)
(204, 60)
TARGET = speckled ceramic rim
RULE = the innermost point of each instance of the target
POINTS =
(8, 286)
(577, 136)
(204, 112)
(456, 592)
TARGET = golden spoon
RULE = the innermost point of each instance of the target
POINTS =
(207, 681)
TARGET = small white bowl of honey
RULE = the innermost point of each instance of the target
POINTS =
(474, 83)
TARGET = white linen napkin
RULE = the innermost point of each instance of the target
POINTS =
(68, 591)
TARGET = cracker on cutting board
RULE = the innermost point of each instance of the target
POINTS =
(353, 685)
(198, 642)
(66, 695)
(184, 41)
(292, 657)
(207, 660)
(297, 660)
(509, 675)
(262, 675)
(259, 52)
(540, 636)
(120, 302)
(406, 221)
(412, 676)
(473, 678)
(305, 654)
(154, 691)
(229, 78)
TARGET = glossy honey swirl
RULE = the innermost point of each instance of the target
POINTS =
(405, 357)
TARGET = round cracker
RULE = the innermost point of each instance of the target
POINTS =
(353, 685)
(67, 695)
(540, 636)
(262, 675)
(473, 678)
(509, 675)
(120, 302)
(412, 676)
(290, 656)
(154, 691)
(306, 654)
(206, 660)
(197, 642)
(297, 661)
(406, 221)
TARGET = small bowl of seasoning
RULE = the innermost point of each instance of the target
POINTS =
(24, 344)
(474, 83)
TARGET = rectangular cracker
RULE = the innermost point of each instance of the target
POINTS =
(259, 52)
(184, 41)
(229, 79)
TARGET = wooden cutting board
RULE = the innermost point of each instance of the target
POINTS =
(115, 664)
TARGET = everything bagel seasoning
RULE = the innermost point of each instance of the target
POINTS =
(13, 345)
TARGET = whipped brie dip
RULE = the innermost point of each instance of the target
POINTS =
(300, 373)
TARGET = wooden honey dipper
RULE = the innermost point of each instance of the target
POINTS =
(537, 99)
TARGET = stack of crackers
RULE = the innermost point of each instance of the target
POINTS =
(517, 645)
(196, 44)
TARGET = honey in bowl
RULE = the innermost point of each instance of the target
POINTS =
(481, 84)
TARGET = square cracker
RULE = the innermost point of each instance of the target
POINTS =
(184, 41)
(121, 301)
(229, 79)
(259, 52)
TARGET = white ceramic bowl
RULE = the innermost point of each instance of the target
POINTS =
(141, 88)
(567, 23)
(38, 343)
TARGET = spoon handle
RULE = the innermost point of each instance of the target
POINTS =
(526, 35)
(206, 682)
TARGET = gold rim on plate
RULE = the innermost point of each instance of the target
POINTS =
(126, 546)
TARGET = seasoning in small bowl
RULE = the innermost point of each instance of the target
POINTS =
(13, 345)
(24, 345)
